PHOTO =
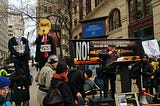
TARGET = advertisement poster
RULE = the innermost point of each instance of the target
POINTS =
(85, 51)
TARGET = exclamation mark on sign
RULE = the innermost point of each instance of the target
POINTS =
(88, 50)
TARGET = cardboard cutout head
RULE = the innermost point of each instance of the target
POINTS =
(44, 27)
(18, 30)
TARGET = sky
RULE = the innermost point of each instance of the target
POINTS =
(30, 25)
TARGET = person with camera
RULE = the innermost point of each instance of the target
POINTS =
(108, 56)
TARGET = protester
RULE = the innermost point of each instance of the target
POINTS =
(144, 70)
(76, 83)
(45, 76)
(4, 91)
(157, 85)
(154, 64)
(108, 56)
(61, 76)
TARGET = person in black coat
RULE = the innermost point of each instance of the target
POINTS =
(45, 46)
(108, 56)
(76, 83)
(61, 76)
(142, 69)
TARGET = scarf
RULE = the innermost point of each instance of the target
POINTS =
(60, 77)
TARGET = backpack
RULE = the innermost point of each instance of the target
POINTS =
(53, 97)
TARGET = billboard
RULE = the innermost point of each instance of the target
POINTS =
(85, 51)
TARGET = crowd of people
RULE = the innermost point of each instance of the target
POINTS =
(52, 71)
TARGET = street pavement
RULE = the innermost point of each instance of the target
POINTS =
(34, 87)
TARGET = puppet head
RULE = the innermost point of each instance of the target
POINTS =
(44, 27)
(18, 30)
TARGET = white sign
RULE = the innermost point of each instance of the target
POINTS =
(82, 50)
(45, 48)
(151, 48)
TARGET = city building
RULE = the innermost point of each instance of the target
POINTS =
(13, 19)
(124, 18)
(116, 18)
(3, 30)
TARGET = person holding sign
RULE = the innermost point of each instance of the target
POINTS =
(143, 71)
(108, 56)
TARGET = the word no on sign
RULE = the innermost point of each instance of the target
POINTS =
(82, 50)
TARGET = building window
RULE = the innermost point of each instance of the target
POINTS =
(139, 9)
(140, 19)
(75, 9)
(10, 26)
(49, 9)
(88, 6)
(114, 20)
(148, 7)
(80, 9)
(97, 2)
(145, 34)
(10, 34)
(75, 22)
(45, 9)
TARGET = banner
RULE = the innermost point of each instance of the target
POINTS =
(85, 51)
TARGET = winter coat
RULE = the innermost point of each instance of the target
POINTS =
(107, 59)
(4, 102)
(147, 72)
(44, 79)
(39, 57)
(157, 79)
(65, 91)
(76, 82)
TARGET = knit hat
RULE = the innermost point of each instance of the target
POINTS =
(89, 73)
(145, 56)
(4, 81)
(61, 67)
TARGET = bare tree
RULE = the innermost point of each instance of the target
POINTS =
(27, 9)
(63, 13)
